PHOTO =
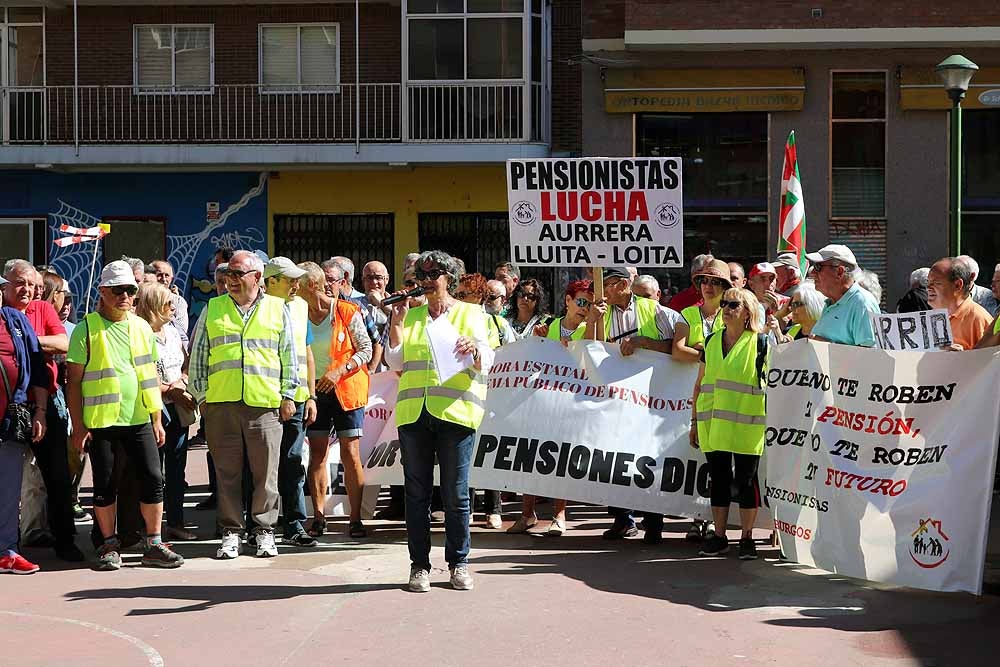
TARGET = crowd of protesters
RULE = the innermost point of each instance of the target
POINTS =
(282, 356)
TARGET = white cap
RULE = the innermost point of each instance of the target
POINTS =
(833, 252)
(282, 266)
(787, 259)
(117, 273)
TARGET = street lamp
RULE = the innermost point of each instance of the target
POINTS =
(956, 73)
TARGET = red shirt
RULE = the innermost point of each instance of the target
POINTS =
(45, 321)
(9, 361)
(690, 296)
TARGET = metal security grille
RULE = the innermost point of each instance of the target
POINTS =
(363, 237)
(481, 240)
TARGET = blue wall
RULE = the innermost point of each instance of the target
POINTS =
(83, 200)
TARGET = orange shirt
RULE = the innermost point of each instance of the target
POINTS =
(969, 322)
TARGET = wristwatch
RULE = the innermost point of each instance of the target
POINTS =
(348, 366)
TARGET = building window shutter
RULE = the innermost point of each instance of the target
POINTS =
(193, 54)
(279, 58)
(153, 45)
(318, 55)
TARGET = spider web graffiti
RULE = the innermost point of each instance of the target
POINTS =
(73, 262)
(181, 250)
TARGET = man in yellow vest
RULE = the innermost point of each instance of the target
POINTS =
(281, 279)
(634, 322)
(244, 372)
(114, 401)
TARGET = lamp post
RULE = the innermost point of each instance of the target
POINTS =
(956, 73)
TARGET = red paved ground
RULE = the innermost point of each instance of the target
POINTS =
(575, 600)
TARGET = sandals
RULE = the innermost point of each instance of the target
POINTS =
(317, 527)
(357, 529)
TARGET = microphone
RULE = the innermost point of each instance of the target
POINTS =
(396, 298)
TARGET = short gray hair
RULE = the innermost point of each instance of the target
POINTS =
(647, 280)
(869, 281)
(959, 269)
(919, 277)
(511, 269)
(971, 263)
(16, 265)
(410, 259)
(332, 263)
(346, 265)
(443, 261)
(811, 299)
(255, 262)
(136, 263)
(700, 262)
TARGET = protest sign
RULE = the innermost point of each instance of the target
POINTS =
(924, 330)
(880, 464)
(596, 212)
(380, 454)
(585, 423)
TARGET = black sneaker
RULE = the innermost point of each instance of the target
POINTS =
(69, 552)
(79, 514)
(619, 531)
(714, 546)
(748, 549)
(652, 536)
(161, 555)
(300, 540)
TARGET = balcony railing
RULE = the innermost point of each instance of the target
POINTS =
(257, 114)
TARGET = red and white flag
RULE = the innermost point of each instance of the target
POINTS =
(81, 234)
(792, 220)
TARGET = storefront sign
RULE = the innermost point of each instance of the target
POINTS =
(879, 464)
(920, 89)
(703, 90)
(596, 212)
(990, 98)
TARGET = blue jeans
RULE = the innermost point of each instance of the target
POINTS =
(420, 442)
(173, 457)
(292, 474)
(11, 466)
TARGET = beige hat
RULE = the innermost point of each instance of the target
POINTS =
(282, 266)
(117, 273)
(716, 269)
(833, 252)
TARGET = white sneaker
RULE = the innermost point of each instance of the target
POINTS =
(230, 547)
(420, 580)
(265, 544)
(494, 521)
(461, 580)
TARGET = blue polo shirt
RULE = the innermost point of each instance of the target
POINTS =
(848, 320)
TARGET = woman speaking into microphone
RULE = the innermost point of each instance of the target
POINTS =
(438, 418)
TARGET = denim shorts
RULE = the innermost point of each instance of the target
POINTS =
(336, 421)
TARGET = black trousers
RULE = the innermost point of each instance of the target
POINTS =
(53, 462)
(650, 520)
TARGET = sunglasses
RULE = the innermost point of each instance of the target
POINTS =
(714, 282)
(582, 302)
(236, 273)
(730, 304)
(433, 274)
(124, 289)
(493, 297)
(530, 296)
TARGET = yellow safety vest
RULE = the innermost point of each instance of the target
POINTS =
(462, 399)
(794, 330)
(692, 315)
(102, 398)
(299, 310)
(996, 326)
(555, 331)
(645, 317)
(243, 360)
(731, 409)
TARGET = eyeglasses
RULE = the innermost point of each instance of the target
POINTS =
(493, 297)
(433, 274)
(730, 304)
(819, 267)
(701, 281)
(236, 273)
(375, 276)
(118, 290)
(583, 302)
(795, 304)
(530, 296)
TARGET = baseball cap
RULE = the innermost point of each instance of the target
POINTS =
(762, 267)
(117, 273)
(617, 272)
(282, 266)
(833, 252)
(787, 259)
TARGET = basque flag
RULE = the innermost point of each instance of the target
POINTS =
(792, 233)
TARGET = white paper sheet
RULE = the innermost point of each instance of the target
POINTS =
(442, 337)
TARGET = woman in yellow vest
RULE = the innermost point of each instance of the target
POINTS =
(729, 417)
(702, 320)
(437, 417)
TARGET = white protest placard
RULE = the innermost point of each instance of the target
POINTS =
(380, 454)
(585, 423)
(596, 212)
(924, 330)
(880, 464)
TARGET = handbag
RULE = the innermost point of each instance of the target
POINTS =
(18, 419)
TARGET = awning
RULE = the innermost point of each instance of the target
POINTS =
(920, 88)
(703, 90)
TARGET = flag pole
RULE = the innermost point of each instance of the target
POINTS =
(599, 332)
(90, 280)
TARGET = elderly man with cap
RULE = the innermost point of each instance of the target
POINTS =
(788, 273)
(244, 373)
(634, 322)
(281, 279)
(847, 317)
(761, 281)
(115, 402)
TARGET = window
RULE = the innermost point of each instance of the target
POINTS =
(981, 188)
(144, 238)
(470, 39)
(175, 57)
(300, 57)
(363, 237)
(857, 144)
(17, 237)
